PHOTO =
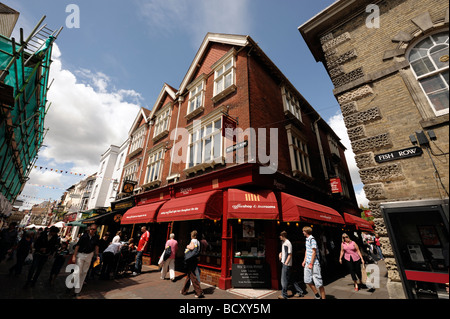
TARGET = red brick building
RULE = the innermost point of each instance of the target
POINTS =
(237, 192)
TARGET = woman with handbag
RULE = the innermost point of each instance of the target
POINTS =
(353, 259)
(170, 251)
(190, 259)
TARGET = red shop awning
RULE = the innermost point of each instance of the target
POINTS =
(358, 222)
(298, 209)
(141, 214)
(200, 206)
(260, 204)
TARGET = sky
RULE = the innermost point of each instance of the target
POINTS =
(117, 56)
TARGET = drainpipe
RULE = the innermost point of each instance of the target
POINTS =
(319, 142)
(180, 100)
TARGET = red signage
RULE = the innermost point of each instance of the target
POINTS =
(335, 185)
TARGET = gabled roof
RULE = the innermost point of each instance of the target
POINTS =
(237, 40)
(166, 89)
(142, 113)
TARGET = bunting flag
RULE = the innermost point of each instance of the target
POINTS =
(69, 172)
(59, 171)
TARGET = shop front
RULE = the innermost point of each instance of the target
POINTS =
(238, 218)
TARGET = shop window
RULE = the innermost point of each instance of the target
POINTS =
(429, 60)
(249, 239)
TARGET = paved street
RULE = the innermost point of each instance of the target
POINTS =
(148, 285)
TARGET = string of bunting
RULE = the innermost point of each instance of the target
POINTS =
(62, 171)
(59, 170)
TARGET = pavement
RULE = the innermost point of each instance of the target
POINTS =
(149, 285)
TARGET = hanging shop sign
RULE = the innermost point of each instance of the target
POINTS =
(395, 155)
(336, 186)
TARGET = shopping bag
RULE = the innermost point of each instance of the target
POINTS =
(29, 259)
(363, 274)
(161, 259)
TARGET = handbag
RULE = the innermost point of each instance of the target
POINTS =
(167, 253)
(191, 254)
(29, 259)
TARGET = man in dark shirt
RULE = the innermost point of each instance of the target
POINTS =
(86, 248)
(46, 244)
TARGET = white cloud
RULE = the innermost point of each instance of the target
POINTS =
(84, 118)
(336, 122)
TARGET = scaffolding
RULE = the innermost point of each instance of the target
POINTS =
(24, 75)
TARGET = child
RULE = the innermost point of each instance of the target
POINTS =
(60, 255)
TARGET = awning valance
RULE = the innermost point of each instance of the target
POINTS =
(141, 214)
(207, 205)
(298, 209)
(261, 204)
(358, 222)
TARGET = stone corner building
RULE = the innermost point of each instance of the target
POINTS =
(388, 61)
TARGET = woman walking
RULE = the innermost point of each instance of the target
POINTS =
(353, 258)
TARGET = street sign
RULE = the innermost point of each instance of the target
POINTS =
(400, 154)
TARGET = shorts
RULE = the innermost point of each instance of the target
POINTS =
(313, 275)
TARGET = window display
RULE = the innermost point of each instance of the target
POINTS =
(249, 239)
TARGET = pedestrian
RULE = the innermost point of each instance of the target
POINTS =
(170, 262)
(45, 245)
(378, 246)
(85, 250)
(191, 265)
(285, 257)
(103, 244)
(116, 238)
(142, 247)
(110, 259)
(352, 255)
(8, 239)
(23, 250)
(312, 271)
(58, 262)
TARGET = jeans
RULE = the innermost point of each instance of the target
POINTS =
(138, 264)
(380, 254)
(286, 281)
(36, 267)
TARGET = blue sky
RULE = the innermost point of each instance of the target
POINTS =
(124, 51)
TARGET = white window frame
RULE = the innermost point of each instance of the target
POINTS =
(130, 172)
(196, 97)
(291, 104)
(205, 154)
(162, 121)
(154, 167)
(298, 150)
(137, 139)
(221, 73)
(437, 71)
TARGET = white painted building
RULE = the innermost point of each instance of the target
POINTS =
(106, 185)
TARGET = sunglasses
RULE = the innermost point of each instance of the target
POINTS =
(344, 236)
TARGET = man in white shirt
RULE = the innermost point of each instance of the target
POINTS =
(286, 259)
(110, 257)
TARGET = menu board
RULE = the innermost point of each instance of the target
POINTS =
(250, 276)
